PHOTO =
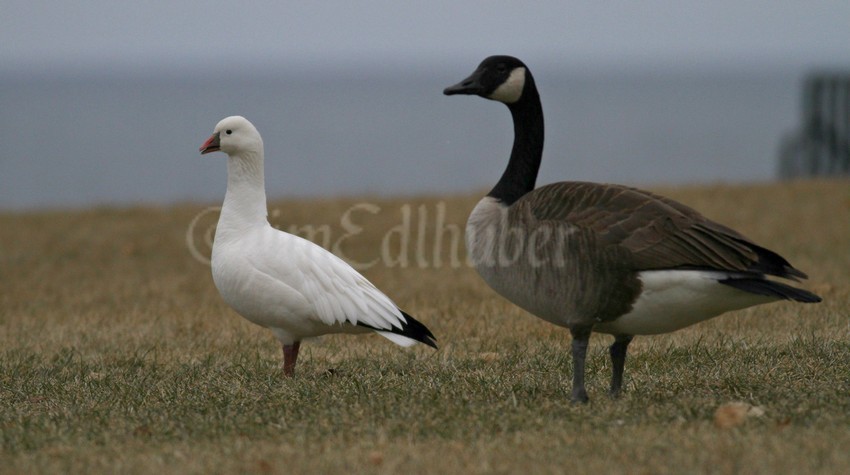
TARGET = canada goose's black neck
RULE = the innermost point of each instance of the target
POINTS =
(521, 173)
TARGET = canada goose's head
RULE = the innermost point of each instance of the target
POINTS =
(500, 78)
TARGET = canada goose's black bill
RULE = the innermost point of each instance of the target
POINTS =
(469, 86)
(213, 144)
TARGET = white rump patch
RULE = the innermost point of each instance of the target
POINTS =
(674, 299)
(510, 90)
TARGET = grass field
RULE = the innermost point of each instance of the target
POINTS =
(119, 356)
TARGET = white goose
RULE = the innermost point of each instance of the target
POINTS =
(283, 282)
(606, 258)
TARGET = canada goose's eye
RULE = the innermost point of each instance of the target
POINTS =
(501, 67)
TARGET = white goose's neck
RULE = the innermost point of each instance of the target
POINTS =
(245, 200)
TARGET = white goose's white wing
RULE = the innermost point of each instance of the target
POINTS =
(336, 292)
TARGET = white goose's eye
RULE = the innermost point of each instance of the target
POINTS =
(228, 131)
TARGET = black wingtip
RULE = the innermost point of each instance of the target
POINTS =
(772, 263)
(794, 274)
(770, 288)
(410, 328)
(414, 329)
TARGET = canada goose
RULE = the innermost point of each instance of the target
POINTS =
(600, 257)
(283, 282)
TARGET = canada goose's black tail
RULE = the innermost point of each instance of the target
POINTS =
(410, 328)
(770, 288)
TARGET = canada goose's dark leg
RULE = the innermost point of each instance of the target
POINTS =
(290, 356)
(618, 362)
(581, 336)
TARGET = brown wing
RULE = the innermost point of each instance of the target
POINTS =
(657, 232)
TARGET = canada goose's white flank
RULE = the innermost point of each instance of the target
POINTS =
(600, 257)
(283, 282)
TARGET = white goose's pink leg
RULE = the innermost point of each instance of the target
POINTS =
(290, 355)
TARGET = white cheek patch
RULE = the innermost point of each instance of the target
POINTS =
(510, 91)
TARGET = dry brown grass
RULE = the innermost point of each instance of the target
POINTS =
(119, 356)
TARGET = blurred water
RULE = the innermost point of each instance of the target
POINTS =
(125, 140)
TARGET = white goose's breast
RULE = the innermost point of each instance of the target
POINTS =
(262, 296)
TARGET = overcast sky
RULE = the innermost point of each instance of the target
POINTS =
(164, 33)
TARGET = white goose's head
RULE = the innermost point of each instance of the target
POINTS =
(234, 135)
(500, 78)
